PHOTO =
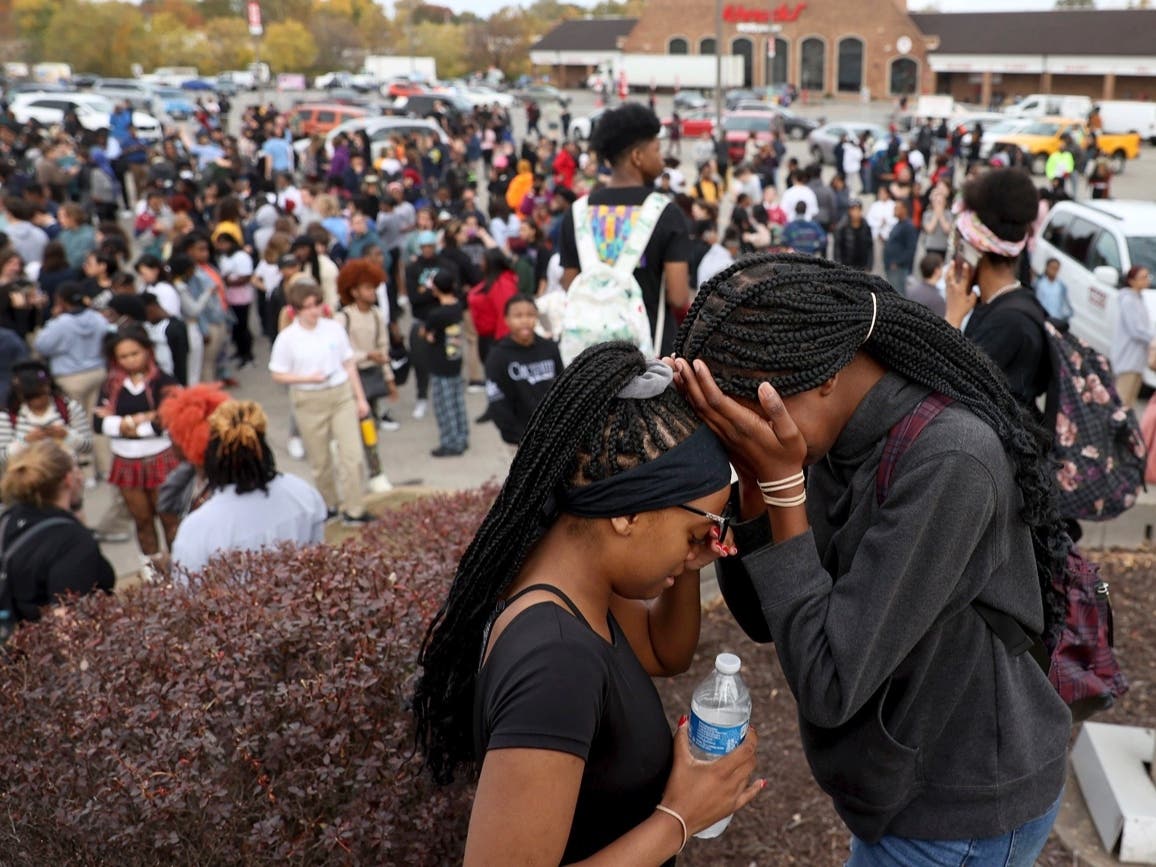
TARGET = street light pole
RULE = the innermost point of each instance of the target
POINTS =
(718, 79)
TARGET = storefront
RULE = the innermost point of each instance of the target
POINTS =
(875, 48)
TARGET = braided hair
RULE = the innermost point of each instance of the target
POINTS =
(237, 453)
(580, 433)
(796, 321)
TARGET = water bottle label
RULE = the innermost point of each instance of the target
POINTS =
(715, 740)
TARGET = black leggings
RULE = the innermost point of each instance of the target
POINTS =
(419, 359)
(242, 337)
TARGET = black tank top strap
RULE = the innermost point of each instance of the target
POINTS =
(549, 588)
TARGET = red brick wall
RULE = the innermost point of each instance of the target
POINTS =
(879, 23)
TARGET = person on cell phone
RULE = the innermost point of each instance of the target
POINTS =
(1004, 319)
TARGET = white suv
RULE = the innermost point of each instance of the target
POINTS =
(93, 110)
(1096, 243)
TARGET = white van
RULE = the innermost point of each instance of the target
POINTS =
(1051, 105)
(1096, 242)
(1129, 115)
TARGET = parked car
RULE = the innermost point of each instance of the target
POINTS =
(738, 127)
(93, 110)
(689, 100)
(1096, 243)
(695, 123)
(314, 118)
(734, 96)
(795, 126)
(422, 105)
(139, 95)
(543, 94)
(1046, 135)
(403, 87)
(582, 127)
(992, 133)
(175, 104)
(380, 130)
(479, 95)
(821, 142)
(1129, 115)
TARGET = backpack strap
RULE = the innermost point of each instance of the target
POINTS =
(62, 407)
(640, 233)
(903, 435)
(6, 606)
(584, 234)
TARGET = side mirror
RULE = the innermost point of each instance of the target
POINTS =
(1108, 275)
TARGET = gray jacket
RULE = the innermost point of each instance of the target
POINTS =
(913, 716)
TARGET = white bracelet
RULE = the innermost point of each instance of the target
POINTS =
(782, 484)
(681, 821)
(785, 502)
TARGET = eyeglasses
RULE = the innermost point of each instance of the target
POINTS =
(723, 521)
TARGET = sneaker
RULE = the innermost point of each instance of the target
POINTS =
(296, 449)
(380, 484)
(388, 422)
(483, 418)
(476, 388)
(113, 537)
(348, 520)
(331, 514)
(419, 409)
(443, 452)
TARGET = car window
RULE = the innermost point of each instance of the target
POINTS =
(836, 131)
(1142, 251)
(1078, 243)
(1057, 229)
(1048, 129)
(1105, 251)
(325, 117)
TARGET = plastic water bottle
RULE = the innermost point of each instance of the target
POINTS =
(720, 712)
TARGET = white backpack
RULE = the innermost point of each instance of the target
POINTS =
(604, 302)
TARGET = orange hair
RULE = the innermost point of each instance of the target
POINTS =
(185, 415)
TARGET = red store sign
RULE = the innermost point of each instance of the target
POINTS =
(736, 13)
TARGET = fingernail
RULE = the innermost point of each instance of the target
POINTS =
(682, 720)
(762, 783)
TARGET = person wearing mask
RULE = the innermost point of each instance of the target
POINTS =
(899, 250)
(854, 244)
(51, 554)
(1133, 335)
(251, 505)
(627, 139)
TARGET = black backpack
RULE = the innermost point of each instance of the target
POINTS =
(7, 609)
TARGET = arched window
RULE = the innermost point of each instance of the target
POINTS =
(778, 66)
(904, 76)
(850, 65)
(744, 49)
(813, 63)
(706, 46)
(678, 45)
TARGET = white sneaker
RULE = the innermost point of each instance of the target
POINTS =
(380, 484)
(419, 409)
(296, 448)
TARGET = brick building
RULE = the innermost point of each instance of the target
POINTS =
(876, 48)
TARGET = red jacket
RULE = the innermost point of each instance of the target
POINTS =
(488, 309)
(564, 169)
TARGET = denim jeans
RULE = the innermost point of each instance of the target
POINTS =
(1018, 848)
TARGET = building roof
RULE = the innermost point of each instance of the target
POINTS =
(1117, 32)
(586, 34)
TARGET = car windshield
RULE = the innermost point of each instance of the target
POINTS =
(746, 124)
(1041, 129)
(1142, 251)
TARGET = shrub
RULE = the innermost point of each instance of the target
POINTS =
(261, 718)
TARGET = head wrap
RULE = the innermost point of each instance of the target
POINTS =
(972, 230)
(693, 468)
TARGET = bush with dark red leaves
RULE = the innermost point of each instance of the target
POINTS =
(260, 717)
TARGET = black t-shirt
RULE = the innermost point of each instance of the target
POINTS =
(418, 273)
(552, 683)
(1010, 331)
(612, 208)
(444, 324)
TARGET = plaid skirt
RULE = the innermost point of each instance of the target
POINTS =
(148, 473)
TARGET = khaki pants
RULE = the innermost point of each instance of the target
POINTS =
(1128, 387)
(474, 369)
(84, 388)
(214, 340)
(330, 414)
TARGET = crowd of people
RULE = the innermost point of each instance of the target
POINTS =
(136, 281)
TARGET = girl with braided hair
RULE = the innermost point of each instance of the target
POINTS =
(581, 584)
(252, 504)
(937, 741)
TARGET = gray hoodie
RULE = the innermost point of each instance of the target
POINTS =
(73, 342)
(914, 717)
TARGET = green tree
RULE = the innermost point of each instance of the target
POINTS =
(72, 36)
(226, 45)
(171, 43)
(339, 41)
(502, 41)
(31, 19)
(288, 46)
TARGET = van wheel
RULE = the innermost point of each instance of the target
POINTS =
(796, 133)
(1039, 164)
(1119, 162)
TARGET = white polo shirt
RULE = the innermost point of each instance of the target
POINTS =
(301, 351)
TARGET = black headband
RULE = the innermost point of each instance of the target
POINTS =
(694, 468)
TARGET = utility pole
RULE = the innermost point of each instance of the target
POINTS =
(718, 78)
(256, 30)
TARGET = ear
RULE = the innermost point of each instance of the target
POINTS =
(829, 386)
(624, 525)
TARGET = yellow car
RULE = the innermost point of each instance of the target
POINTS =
(1044, 136)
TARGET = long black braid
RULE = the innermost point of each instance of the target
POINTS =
(579, 433)
(795, 321)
